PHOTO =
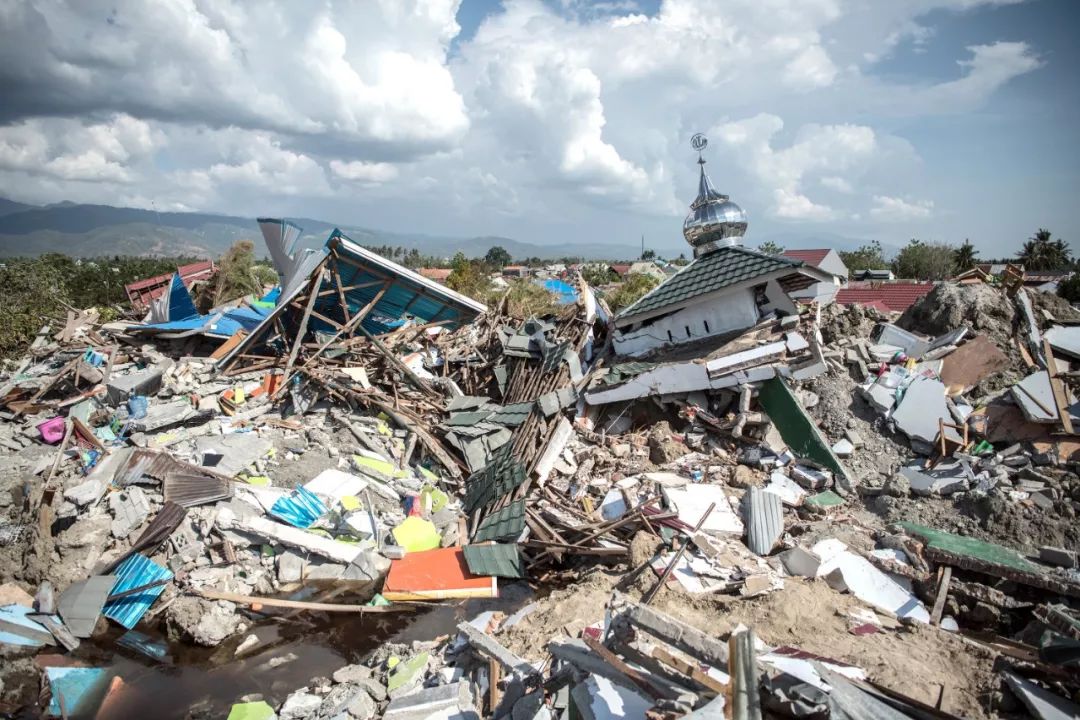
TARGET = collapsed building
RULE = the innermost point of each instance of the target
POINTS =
(720, 502)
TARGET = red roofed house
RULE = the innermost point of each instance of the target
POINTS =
(436, 274)
(621, 269)
(896, 296)
(141, 292)
(825, 259)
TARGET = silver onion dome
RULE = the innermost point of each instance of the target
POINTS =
(714, 221)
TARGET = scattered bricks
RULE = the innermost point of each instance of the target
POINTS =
(1058, 556)
(854, 438)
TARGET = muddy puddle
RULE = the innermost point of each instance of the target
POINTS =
(185, 681)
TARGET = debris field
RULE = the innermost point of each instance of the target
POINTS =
(832, 512)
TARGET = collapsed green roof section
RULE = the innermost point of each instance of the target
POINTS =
(714, 271)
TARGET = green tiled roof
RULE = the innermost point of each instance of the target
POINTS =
(512, 415)
(505, 524)
(501, 475)
(494, 560)
(715, 271)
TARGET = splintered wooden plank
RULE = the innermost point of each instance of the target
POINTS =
(1058, 389)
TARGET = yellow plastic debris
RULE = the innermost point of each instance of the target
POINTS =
(260, 480)
(416, 535)
(350, 503)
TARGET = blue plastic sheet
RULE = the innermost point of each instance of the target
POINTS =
(566, 292)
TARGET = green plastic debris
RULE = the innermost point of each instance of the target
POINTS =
(406, 672)
(983, 448)
(252, 711)
(825, 499)
(378, 601)
(433, 498)
(971, 548)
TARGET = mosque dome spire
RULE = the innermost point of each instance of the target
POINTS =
(714, 221)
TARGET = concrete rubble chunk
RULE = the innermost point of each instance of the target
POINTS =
(130, 508)
(922, 405)
(944, 479)
(490, 648)
(301, 705)
(1058, 556)
(290, 567)
(441, 700)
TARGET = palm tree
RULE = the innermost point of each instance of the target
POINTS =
(965, 259)
(1035, 254)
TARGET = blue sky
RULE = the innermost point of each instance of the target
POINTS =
(830, 121)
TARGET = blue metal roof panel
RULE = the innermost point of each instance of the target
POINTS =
(135, 572)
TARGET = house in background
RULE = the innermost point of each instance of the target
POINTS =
(646, 267)
(439, 275)
(142, 292)
(883, 296)
(515, 271)
(727, 288)
(825, 259)
(621, 269)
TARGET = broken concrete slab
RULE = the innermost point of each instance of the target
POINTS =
(691, 502)
(141, 382)
(88, 492)
(945, 479)
(1065, 339)
(689, 639)
(343, 552)
(80, 605)
(1058, 556)
(1043, 704)
(880, 397)
(1036, 398)
(130, 508)
(920, 409)
(490, 648)
(439, 701)
(801, 562)
(843, 448)
(844, 570)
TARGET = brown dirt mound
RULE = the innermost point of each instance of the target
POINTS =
(981, 307)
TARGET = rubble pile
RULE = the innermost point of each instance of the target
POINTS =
(825, 514)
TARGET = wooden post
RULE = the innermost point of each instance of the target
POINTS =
(313, 295)
(942, 592)
(1061, 398)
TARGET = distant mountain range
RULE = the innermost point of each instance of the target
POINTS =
(95, 230)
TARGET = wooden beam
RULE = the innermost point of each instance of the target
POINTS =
(349, 326)
(313, 295)
(252, 600)
(413, 378)
(942, 593)
(1061, 397)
